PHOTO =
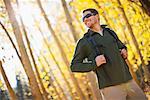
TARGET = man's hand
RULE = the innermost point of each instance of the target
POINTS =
(100, 60)
(124, 53)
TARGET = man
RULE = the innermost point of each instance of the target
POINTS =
(114, 78)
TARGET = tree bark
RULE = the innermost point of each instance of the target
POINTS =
(105, 18)
(94, 86)
(45, 94)
(50, 53)
(145, 69)
(25, 59)
(11, 92)
(146, 6)
(13, 44)
(62, 52)
(132, 72)
(45, 60)
(69, 20)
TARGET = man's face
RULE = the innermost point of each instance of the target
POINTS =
(90, 20)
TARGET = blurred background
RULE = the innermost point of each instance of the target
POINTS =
(38, 39)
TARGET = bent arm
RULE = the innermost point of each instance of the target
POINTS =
(77, 64)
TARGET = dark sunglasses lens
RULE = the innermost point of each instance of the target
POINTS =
(87, 16)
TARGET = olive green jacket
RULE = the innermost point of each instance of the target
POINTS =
(114, 71)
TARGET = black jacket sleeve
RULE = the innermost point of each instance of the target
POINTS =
(77, 64)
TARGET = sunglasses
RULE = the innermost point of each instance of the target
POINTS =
(88, 15)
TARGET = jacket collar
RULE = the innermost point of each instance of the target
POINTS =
(91, 33)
